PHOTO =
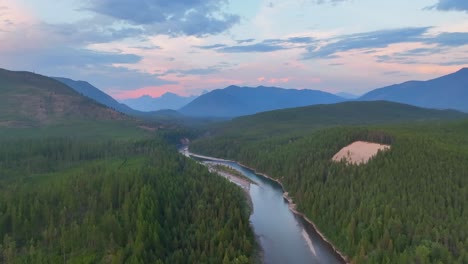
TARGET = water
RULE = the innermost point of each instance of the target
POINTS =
(284, 237)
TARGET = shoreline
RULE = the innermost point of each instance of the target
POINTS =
(292, 205)
(246, 191)
(243, 184)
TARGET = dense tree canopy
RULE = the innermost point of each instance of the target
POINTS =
(85, 201)
(407, 205)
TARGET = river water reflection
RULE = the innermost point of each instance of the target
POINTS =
(284, 236)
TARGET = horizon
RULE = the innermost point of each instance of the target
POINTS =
(186, 47)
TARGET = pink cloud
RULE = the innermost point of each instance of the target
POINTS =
(261, 79)
(278, 80)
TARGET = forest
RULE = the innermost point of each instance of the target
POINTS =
(407, 205)
(66, 200)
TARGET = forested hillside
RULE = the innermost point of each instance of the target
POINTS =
(107, 201)
(306, 119)
(29, 100)
(88, 90)
(407, 205)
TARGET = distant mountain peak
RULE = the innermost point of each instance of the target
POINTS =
(170, 94)
(463, 70)
(236, 101)
(168, 100)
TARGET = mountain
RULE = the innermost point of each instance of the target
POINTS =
(94, 93)
(147, 103)
(308, 118)
(446, 92)
(238, 101)
(32, 100)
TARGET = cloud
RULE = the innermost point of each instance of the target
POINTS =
(399, 59)
(242, 41)
(396, 59)
(273, 80)
(82, 57)
(419, 52)
(214, 46)
(88, 32)
(3, 11)
(150, 47)
(443, 42)
(301, 40)
(170, 17)
(117, 78)
(458, 62)
(83, 64)
(259, 47)
(278, 80)
(391, 72)
(334, 2)
(267, 45)
(368, 40)
(451, 5)
(66, 50)
(453, 39)
(194, 71)
(200, 71)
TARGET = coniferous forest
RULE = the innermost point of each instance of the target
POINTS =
(106, 201)
(407, 205)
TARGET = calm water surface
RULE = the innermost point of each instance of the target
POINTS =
(284, 237)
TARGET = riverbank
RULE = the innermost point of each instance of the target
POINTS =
(291, 205)
(243, 183)
(293, 208)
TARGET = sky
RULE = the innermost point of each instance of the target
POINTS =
(130, 48)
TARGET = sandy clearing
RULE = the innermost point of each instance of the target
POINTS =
(359, 152)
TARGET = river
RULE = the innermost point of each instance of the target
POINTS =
(284, 236)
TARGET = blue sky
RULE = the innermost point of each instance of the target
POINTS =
(133, 47)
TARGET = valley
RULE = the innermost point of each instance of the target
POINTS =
(233, 132)
(84, 181)
(369, 211)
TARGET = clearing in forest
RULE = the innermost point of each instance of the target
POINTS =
(359, 152)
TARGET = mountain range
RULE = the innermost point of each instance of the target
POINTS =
(86, 89)
(168, 100)
(238, 101)
(446, 92)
